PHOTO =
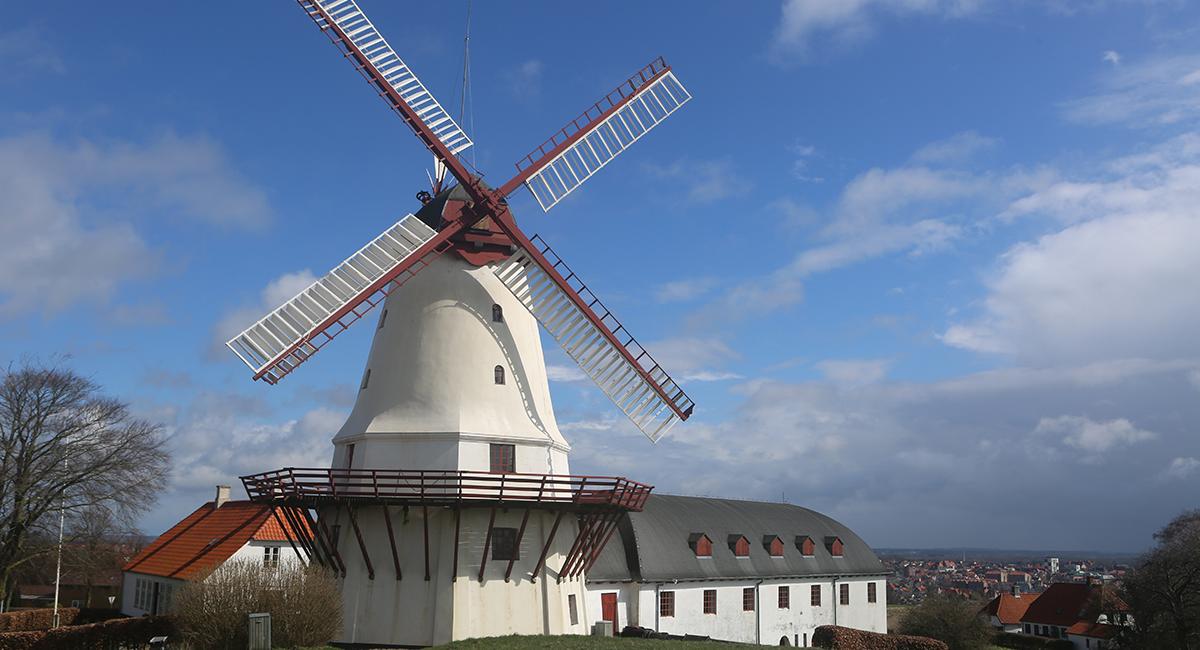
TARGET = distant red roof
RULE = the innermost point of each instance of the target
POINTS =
(1061, 604)
(1009, 608)
(1093, 630)
(206, 538)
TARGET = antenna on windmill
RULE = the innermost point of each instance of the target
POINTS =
(481, 229)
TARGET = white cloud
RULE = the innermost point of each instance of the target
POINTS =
(525, 80)
(854, 372)
(957, 148)
(1111, 56)
(67, 212)
(847, 22)
(1156, 92)
(1091, 437)
(701, 181)
(277, 292)
(687, 354)
(1182, 468)
(684, 290)
(1119, 282)
(26, 52)
(711, 375)
(564, 373)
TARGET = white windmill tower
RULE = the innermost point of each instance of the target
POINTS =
(449, 509)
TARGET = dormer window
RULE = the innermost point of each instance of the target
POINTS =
(701, 544)
(806, 545)
(834, 544)
(739, 545)
(774, 545)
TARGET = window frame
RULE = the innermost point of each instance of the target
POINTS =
(502, 458)
(844, 593)
(749, 599)
(509, 535)
(784, 597)
(872, 592)
(814, 596)
(709, 603)
(666, 604)
(573, 609)
(497, 313)
(498, 375)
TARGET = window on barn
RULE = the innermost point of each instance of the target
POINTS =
(815, 597)
(748, 599)
(666, 603)
(497, 314)
(710, 601)
(844, 594)
(498, 373)
(785, 597)
(574, 609)
(739, 545)
(834, 544)
(503, 458)
(700, 544)
(774, 545)
(504, 544)
(870, 592)
(806, 545)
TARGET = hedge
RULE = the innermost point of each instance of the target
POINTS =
(36, 619)
(1030, 642)
(107, 635)
(836, 637)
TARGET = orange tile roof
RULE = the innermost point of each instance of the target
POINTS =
(1093, 630)
(206, 538)
(1009, 608)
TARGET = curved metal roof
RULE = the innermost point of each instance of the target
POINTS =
(652, 545)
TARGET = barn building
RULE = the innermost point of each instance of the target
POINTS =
(744, 571)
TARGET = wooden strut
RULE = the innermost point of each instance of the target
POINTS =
(332, 545)
(425, 524)
(585, 544)
(546, 548)
(457, 522)
(585, 528)
(318, 545)
(595, 544)
(305, 535)
(517, 545)
(387, 519)
(487, 543)
(361, 545)
(596, 552)
(286, 534)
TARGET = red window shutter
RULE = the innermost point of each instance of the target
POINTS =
(741, 548)
(703, 547)
(807, 547)
(776, 547)
(837, 548)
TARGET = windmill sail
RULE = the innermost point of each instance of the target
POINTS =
(621, 367)
(380, 63)
(565, 161)
(294, 331)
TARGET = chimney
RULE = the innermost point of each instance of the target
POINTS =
(222, 496)
(1016, 590)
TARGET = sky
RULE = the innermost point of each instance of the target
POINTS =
(926, 266)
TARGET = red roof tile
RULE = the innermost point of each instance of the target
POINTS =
(1008, 607)
(206, 538)
(1093, 630)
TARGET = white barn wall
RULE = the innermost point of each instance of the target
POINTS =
(637, 604)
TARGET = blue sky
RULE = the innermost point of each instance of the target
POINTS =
(925, 265)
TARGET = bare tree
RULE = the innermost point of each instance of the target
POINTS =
(99, 543)
(63, 445)
(1163, 591)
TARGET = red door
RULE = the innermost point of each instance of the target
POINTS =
(608, 610)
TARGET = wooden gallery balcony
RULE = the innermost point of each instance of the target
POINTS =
(295, 493)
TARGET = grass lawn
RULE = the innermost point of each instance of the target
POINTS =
(582, 643)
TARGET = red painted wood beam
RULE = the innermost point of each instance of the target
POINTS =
(487, 543)
(516, 551)
(387, 519)
(546, 548)
(361, 545)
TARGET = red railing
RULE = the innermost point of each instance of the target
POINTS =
(444, 487)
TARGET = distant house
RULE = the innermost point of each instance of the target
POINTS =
(1004, 612)
(217, 532)
(1085, 614)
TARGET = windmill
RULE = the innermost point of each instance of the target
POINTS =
(427, 421)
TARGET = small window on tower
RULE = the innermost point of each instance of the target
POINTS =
(504, 544)
(497, 314)
(573, 608)
(503, 458)
(498, 372)
(349, 456)
(382, 319)
(366, 379)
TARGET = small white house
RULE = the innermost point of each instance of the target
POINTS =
(745, 571)
(218, 531)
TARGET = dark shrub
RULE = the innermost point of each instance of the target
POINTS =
(1019, 641)
(36, 619)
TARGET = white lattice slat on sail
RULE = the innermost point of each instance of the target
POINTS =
(644, 111)
(294, 323)
(349, 18)
(595, 354)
